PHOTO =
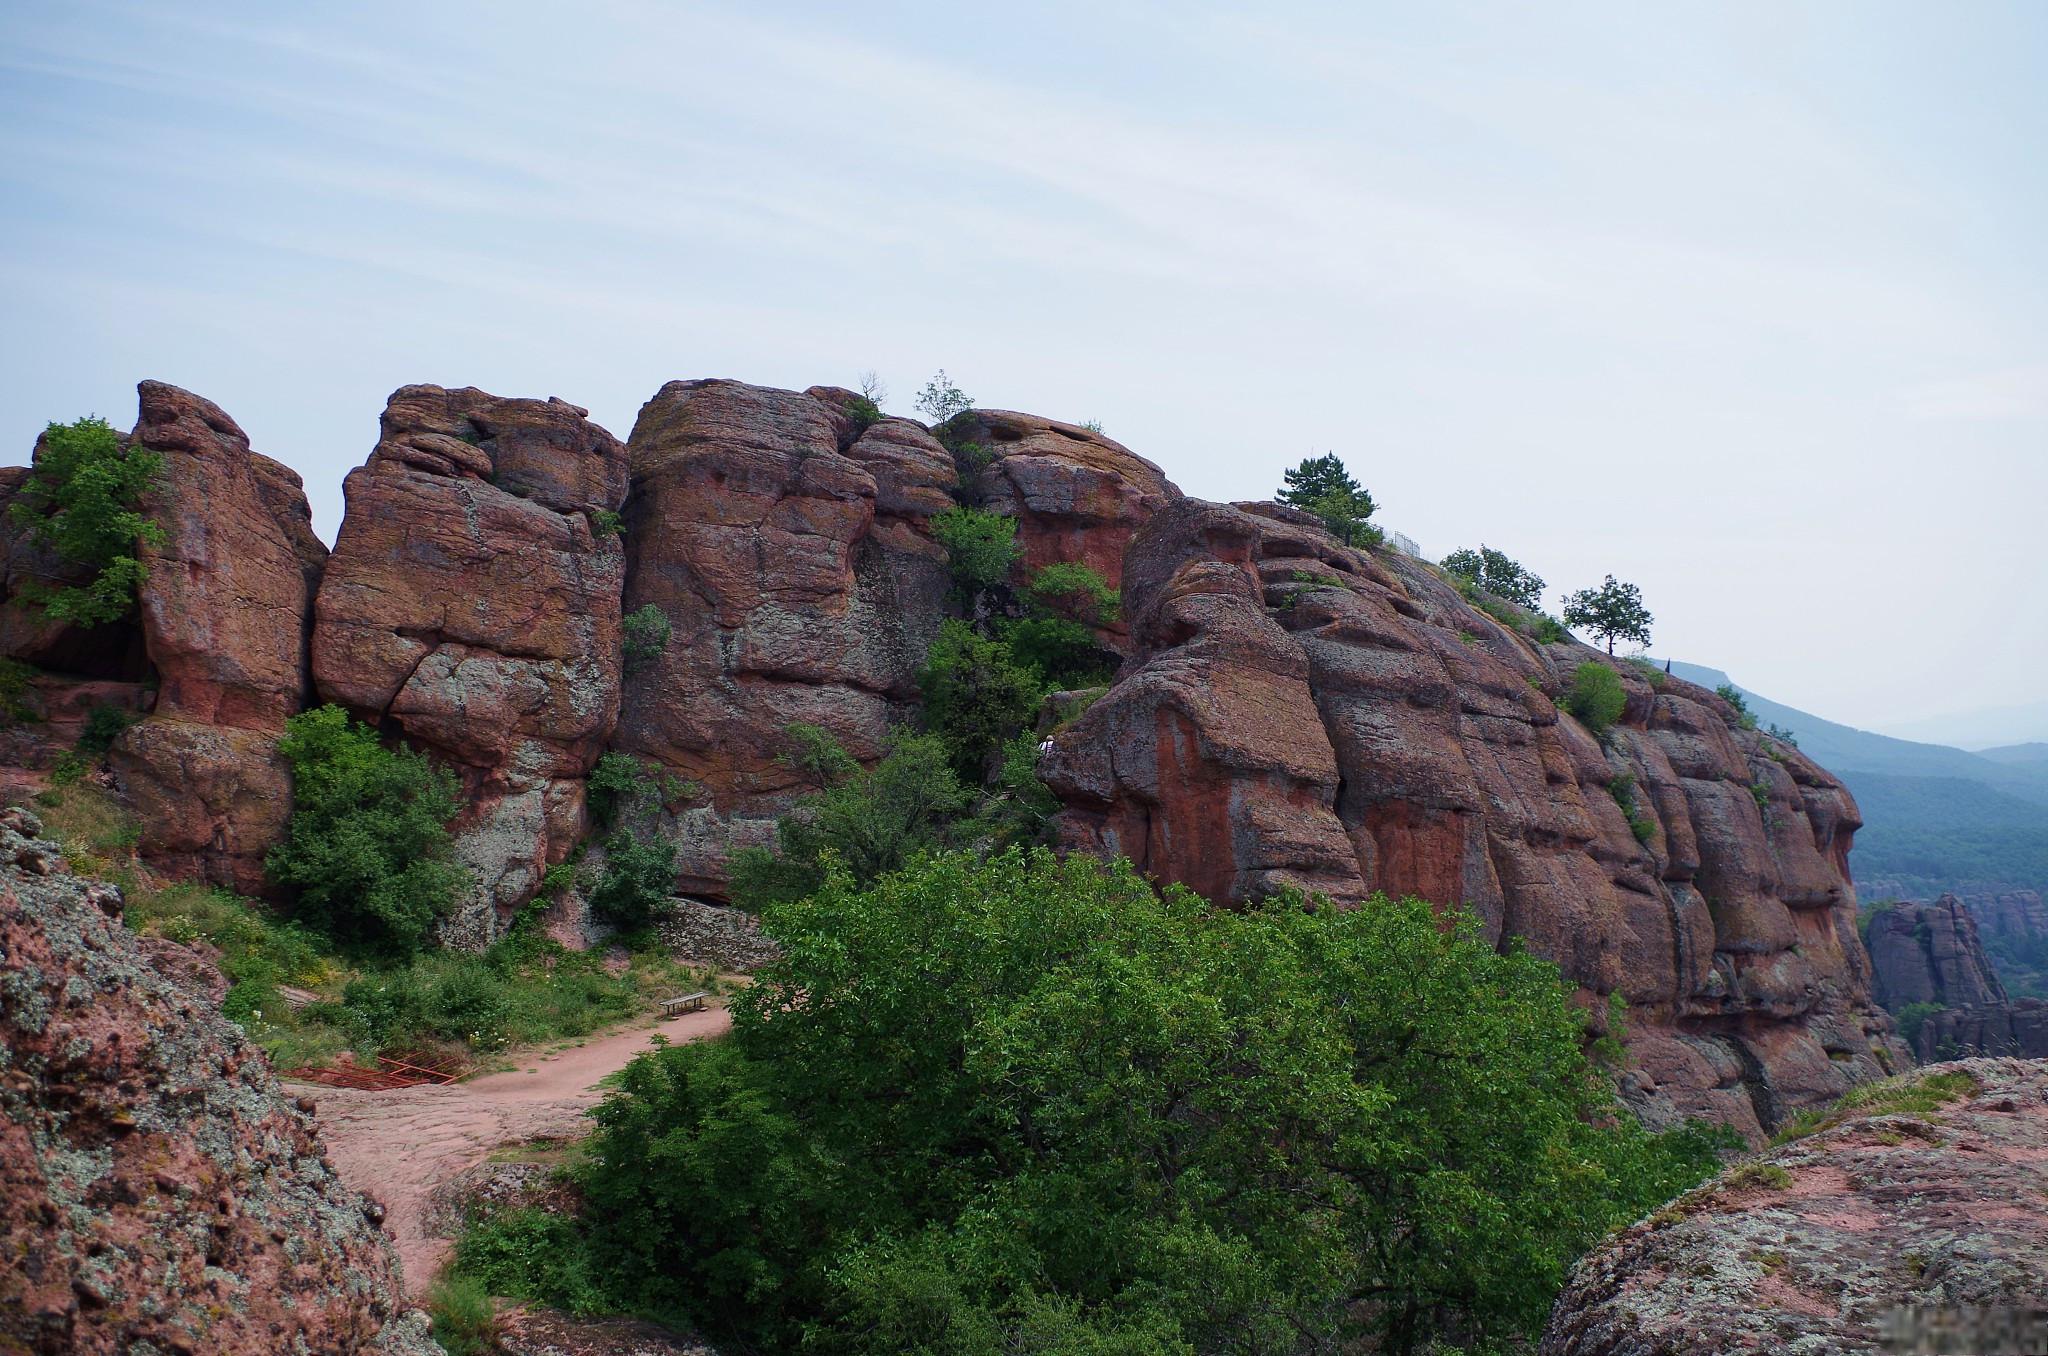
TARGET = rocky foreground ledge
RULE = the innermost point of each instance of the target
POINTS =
(1904, 1215)
(158, 1192)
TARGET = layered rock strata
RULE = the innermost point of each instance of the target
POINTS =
(1298, 714)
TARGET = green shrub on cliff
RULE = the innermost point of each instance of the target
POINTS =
(981, 546)
(367, 853)
(80, 501)
(1323, 487)
(1596, 696)
(1017, 1104)
(976, 696)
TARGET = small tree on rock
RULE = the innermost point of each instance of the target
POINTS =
(1612, 612)
(80, 501)
(1499, 574)
(941, 400)
(1323, 487)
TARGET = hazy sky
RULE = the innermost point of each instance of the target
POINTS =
(1746, 303)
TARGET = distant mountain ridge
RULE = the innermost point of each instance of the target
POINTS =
(1935, 818)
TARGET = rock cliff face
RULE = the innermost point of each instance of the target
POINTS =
(1929, 953)
(1934, 954)
(1295, 713)
(157, 1191)
(518, 592)
(472, 604)
(1831, 1243)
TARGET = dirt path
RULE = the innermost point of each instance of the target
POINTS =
(399, 1146)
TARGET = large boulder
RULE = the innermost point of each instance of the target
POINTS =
(1920, 1230)
(786, 549)
(472, 604)
(1297, 713)
(158, 1192)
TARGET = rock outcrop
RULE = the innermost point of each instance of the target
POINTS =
(1929, 953)
(1855, 1240)
(784, 550)
(1295, 713)
(157, 1191)
(472, 604)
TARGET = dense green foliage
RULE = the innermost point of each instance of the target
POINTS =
(868, 822)
(638, 878)
(1498, 574)
(1732, 694)
(1612, 612)
(611, 786)
(976, 695)
(465, 1319)
(981, 547)
(529, 1252)
(1913, 1016)
(1596, 696)
(1073, 591)
(81, 501)
(1623, 789)
(1020, 1104)
(1323, 487)
(367, 853)
(644, 633)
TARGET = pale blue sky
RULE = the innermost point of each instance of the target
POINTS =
(1746, 303)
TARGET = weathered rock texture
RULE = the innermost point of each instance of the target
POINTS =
(472, 604)
(1870, 1221)
(787, 551)
(1295, 713)
(157, 1192)
(1929, 953)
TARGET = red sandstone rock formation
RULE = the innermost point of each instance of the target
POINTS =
(787, 550)
(472, 603)
(157, 1191)
(1929, 953)
(1832, 1242)
(1297, 713)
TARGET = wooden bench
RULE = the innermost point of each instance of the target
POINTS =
(681, 1003)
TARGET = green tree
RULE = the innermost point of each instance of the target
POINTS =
(1498, 573)
(976, 695)
(366, 854)
(638, 879)
(1612, 612)
(80, 501)
(941, 400)
(1018, 1103)
(869, 822)
(1074, 591)
(980, 546)
(1323, 487)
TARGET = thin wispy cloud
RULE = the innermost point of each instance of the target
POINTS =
(1689, 297)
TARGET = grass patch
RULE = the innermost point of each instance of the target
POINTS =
(1768, 1175)
(1906, 1095)
(465, 1319)
(531, 1254)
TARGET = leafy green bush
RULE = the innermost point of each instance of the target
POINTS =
(1073, 591)
(530, 1253)
(1323, 487)
(1596, 696)
(366, 855)
(612, 787)
(103, 725)
(17, 682)
(81, 501)
(607, 523)
(1913, 1016)
(1060, 653)
(1549, 630)
(1782, 735)
(465, 1319)
(868, 822)
(645, 631)
(638, 879)
(976, 695)
(985, 1101)
(981, 546)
